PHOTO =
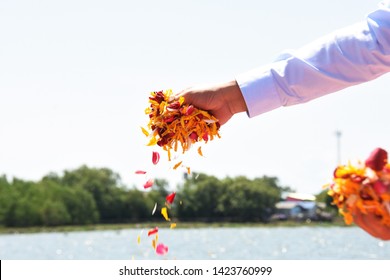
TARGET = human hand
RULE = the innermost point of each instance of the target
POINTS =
(222, 100)
(372, 224)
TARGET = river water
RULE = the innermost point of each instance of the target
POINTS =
(244, 243)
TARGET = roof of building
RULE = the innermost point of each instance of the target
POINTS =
(300, 197)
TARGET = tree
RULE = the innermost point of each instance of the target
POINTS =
(105, 187)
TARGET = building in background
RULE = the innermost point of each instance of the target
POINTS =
(301, 207)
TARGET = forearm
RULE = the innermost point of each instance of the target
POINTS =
(347, 57)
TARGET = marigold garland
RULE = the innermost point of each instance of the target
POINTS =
(363, 188)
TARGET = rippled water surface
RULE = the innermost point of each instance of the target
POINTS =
(204, 243)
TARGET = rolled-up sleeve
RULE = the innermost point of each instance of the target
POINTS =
(349, 56)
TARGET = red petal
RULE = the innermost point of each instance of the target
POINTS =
(193, 136)
(148, 184)
(170, 197)
(153, 231)
(189, 110)
(169, 119)
(380, 187)
(140, 172)
(155, 157)
(377, 159)
(174, 105)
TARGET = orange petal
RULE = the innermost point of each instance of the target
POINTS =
(177, 165)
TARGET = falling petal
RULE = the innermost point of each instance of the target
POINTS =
(152, 231)
(148, 184)
(140, 172)
(161, 249)
(173, 225)
(170, 197)
(155, 157)
(200, 151)
(154, 209)
(154, 244)
(164, 213)
(139, 239)
(144, 131)
(188, 170)
(152, 142)
(177, 165)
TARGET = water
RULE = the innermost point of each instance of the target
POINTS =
(296, 243)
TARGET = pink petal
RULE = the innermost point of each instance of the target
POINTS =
(148, 184)
(140, 172)
(155, 157)
(161, 249)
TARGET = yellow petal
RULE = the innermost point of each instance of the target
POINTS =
(144, 131)
(164, 213)
(152, 142)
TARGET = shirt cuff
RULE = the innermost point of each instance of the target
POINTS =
(259, 92)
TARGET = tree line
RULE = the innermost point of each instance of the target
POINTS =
(96, 195)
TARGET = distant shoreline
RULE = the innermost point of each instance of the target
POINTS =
(180, 225)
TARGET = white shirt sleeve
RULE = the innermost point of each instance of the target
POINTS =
(349, 56)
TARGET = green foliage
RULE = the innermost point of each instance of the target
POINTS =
(96, 195)
(231, 199)
(327, 199)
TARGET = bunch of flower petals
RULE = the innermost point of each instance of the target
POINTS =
(173, 123)
(363, 188)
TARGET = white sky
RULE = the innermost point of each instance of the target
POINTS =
(75, 77)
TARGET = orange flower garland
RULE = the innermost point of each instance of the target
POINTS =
(363, 188)
(173, 123)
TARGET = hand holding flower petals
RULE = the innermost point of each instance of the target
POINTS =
(362, 194)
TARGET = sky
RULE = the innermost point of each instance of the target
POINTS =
(75, 77)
